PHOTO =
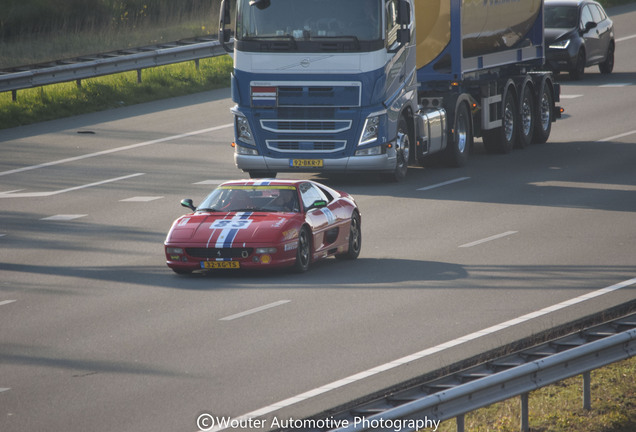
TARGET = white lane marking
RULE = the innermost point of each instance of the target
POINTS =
(141, 199)
(57, 192)
(612, 138)
(615, 85)
(4, 389)
(114, 150)
(487, 239)
(433, 350)
(583, 185)
(574, 96)
(63, 217)
(625, 38)
(6, 302)
(255, 310)
(443, 184)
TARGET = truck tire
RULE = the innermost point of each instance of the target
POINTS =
(502, 139)
(402, 152)
(460, 139)
(527, 116)
(545, 115)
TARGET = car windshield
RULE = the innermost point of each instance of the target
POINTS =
(308, 19)
(252, 198)
(561, 16)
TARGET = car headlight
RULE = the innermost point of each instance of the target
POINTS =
(243, 130)
(560, 44)
(370, 130)
(174, 250)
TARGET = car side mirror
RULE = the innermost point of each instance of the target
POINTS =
(589, 26)
(318, 204)
(188, 204)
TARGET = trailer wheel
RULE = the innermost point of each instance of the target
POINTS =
(528, 116)
(460, 139)
(543, 126)
(502, 139)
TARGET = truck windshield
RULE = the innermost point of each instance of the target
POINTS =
(302, 20)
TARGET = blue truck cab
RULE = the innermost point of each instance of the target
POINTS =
(322, 85)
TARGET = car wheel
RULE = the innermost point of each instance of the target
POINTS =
(355, 239)
(303, 252)
(608, 65)
(577, 72)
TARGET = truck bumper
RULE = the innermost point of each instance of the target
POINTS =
(379, 163)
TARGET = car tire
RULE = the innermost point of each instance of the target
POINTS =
(303, 251)
(578, 70)
(355, 239)
(608, 65)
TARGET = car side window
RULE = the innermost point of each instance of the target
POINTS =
(310, 194)
(586, 16)
(596, 14)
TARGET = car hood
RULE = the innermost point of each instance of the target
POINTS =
(233, 229)
(554, 34)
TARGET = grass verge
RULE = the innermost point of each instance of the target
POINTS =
(111, 91)
(559, 407)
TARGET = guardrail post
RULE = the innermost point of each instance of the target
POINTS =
(138, 76)
(525, 427)
(196, 64)
(14, 95)
(587, 393)
(78, 83)
(460, 423)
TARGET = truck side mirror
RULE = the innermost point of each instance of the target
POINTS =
(224, 19)
(404, 19)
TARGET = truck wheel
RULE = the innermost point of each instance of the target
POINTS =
(262, 174)
(402, 152)
(527, 115)
(543, 126)
(502, 139)
(460, 139)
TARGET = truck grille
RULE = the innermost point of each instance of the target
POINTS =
(303, 126)
(306, 146)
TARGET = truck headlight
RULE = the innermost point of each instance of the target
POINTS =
(245, 150)
(560, 44)
(370, 130)
(243, 130)
(369, 151)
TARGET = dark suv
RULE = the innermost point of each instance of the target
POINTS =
(578, 34)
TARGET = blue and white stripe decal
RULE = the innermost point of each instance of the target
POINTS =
(241, 220)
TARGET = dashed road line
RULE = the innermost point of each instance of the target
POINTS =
(443, 184)
(487, 239)
(255, 310)
(64, 217)
(6, 302)
(10, 194)
(141, 199)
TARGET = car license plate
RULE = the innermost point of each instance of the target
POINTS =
(220, 264)
(306, 163)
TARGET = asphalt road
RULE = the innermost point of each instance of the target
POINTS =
(97, 334)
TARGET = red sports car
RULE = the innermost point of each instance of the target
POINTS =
(262, 224)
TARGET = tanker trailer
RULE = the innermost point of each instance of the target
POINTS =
(479, 73)
(374, 85)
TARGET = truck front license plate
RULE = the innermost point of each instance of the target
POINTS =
(306, 163)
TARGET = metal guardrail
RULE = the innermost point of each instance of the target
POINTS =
(96, 65)
(423, 406)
